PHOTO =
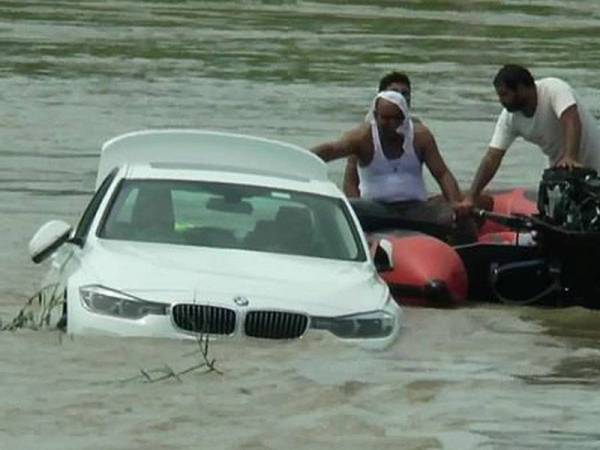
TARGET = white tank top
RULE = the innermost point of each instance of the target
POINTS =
(392, 180)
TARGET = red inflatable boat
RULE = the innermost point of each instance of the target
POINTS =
(535, 247)
(522, 255)
(429, 272)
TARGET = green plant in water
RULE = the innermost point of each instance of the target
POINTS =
(38, 310)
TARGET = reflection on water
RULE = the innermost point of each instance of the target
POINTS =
(583, 369)
(577, 328)
(76, 74)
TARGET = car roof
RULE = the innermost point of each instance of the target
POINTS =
(210, 151)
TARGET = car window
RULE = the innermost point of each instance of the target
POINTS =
(232, 216)
(90, 211)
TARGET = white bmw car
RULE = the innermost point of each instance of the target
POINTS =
(192, 232)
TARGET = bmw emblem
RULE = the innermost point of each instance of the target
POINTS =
(241, 301)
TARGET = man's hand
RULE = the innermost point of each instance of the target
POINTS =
(567, 162)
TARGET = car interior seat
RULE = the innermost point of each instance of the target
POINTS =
(261, 237)
(152, 217)
(295, 230)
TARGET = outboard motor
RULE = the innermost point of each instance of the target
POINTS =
(570, 199)
(569, 203)
(563, 266)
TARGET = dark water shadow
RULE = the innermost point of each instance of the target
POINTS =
(579, 329)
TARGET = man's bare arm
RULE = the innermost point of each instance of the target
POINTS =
(487, 169)
(348, 144)
(351, 178)
(438, 168)
(570, 124)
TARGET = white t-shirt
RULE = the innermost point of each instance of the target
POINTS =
(554, 96)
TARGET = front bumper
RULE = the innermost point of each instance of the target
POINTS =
(188, 321)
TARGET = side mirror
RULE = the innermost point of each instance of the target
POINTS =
(48, 239)
(383, 256)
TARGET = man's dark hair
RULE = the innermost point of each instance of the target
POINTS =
(513, 75)
(393, 77)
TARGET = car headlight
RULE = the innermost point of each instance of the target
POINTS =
(102, 300)
(374, 324)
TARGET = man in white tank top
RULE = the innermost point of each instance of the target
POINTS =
(390, 156)
(393, 81)
(546, 112)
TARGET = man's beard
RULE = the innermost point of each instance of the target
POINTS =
(517, 105)
(389, 133)
(391, 136)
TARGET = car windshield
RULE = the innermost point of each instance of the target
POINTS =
(232, 216)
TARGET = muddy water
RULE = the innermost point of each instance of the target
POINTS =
(76, 74)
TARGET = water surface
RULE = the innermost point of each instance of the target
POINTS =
(75, 74)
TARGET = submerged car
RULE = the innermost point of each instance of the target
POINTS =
(194, 232)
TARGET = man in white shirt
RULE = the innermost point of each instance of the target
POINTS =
(546, 112)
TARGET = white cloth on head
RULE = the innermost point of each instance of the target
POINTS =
(406, 129)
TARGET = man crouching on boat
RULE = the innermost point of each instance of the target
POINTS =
(390, 157)
(546, 112)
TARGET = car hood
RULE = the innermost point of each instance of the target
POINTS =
(174, 273)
